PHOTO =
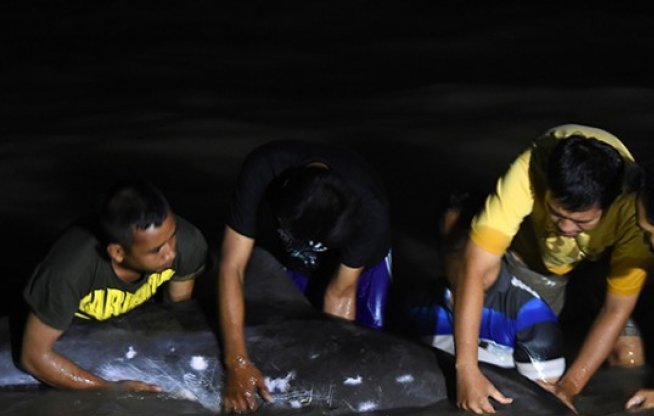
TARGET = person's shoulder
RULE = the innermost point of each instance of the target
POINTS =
(188, 234)
(566, 130)
(624, 204)
(76, 241)
(192, 247)
(75, 253)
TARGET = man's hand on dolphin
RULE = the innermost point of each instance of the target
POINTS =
(564, 394)
(642, 399)
(244, 380)
(474, 389)
(137, 386)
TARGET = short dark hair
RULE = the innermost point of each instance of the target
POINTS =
(314, 203)
(647, 190)
(131, 205)
(584, 172)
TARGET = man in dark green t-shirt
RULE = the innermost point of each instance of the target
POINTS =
(101, 272)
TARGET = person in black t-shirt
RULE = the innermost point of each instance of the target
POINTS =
(101, 272)
(321, 211)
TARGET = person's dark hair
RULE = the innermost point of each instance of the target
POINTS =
(314, 203)
(647, 190)
(128, 206)
(584, 172)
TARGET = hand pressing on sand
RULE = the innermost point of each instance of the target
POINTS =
(244, 380)
(474, 389)
(643, 399)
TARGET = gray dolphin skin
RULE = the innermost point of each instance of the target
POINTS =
(313, 364)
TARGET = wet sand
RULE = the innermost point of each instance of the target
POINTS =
(436, 98)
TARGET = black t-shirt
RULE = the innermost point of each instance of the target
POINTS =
(370, 240)
(76, 277)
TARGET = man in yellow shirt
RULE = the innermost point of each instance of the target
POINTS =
(564, 200)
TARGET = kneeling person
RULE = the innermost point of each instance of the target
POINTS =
(518, 329)
(104, 271)
(566, 200)
(321, 211)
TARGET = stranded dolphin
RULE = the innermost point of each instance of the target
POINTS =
(309, 359)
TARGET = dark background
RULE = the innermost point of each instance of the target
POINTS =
(437, 95)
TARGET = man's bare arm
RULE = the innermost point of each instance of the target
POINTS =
(39, 359)
(180, 291)
(243, 378)
(340, 295)
(478, 272)
(597, 346)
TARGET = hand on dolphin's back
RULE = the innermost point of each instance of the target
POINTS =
(137, 386)
(557, 389)
(642, 399)
(474, 391)
(244, 380)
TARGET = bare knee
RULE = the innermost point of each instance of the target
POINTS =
(628, 352)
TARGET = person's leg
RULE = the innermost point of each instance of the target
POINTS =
(629, 350)
(519, 318)
(372, 293)
(550, 288)
(589, 293)
(517, 329)
(299, 280)
(539, 345)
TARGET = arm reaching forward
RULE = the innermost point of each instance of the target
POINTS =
(39, 359)
(480, 270)
(243, 378)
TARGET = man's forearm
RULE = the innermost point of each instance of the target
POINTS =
(478, 272)
(232, 312)
(596, 348)
(467, 320)
(57, 371)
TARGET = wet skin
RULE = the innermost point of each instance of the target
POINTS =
(644, 398)
(153, 250)
(473, 389)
